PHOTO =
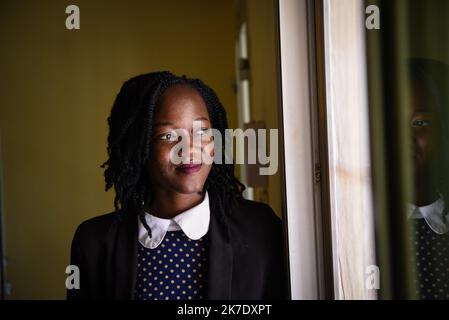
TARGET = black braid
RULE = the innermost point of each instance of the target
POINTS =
(130, 129)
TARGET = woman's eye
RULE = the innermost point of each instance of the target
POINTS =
(203, 131)
(419, 123)
(169, 136)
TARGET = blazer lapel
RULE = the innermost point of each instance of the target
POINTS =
(220, 261)
(126, 258)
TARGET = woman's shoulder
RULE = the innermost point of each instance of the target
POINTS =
(96, 227)
(256, 225)
(254, 213)
(255, 207)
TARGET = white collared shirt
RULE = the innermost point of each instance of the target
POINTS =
(194, 222)
(433, 214)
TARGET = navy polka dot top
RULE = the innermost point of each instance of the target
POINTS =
(175, 270)
(432, 262)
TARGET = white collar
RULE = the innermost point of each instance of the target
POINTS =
(194, 222)
(433, 214)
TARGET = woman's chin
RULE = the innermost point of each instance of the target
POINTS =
(190, 189)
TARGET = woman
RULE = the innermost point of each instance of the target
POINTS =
(428, 213)
(179, 231)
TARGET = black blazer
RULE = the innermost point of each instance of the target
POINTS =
(246, 255)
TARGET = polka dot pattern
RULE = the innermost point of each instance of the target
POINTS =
(175, 270)
(431, 261)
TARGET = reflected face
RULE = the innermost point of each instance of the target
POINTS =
(421, 122)
(176, 111)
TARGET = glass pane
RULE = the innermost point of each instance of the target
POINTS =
(409, 68)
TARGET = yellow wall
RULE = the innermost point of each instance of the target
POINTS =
(57, 87)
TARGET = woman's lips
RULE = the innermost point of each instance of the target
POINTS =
(189, 168)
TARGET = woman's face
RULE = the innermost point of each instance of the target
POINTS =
(177, 110)
(422, 128)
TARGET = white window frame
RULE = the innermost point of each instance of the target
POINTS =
(348, 171)
(297, 132)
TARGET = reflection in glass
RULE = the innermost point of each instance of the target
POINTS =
(428, 213)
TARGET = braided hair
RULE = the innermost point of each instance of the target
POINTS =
(130, 129)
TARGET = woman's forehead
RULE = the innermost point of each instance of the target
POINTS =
(422, 99)
(181, 101)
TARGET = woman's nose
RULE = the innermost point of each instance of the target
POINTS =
(193, 150)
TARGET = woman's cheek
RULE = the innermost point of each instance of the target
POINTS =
(208, 152)
(157, 160)
(424, 144)
(165, 152)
